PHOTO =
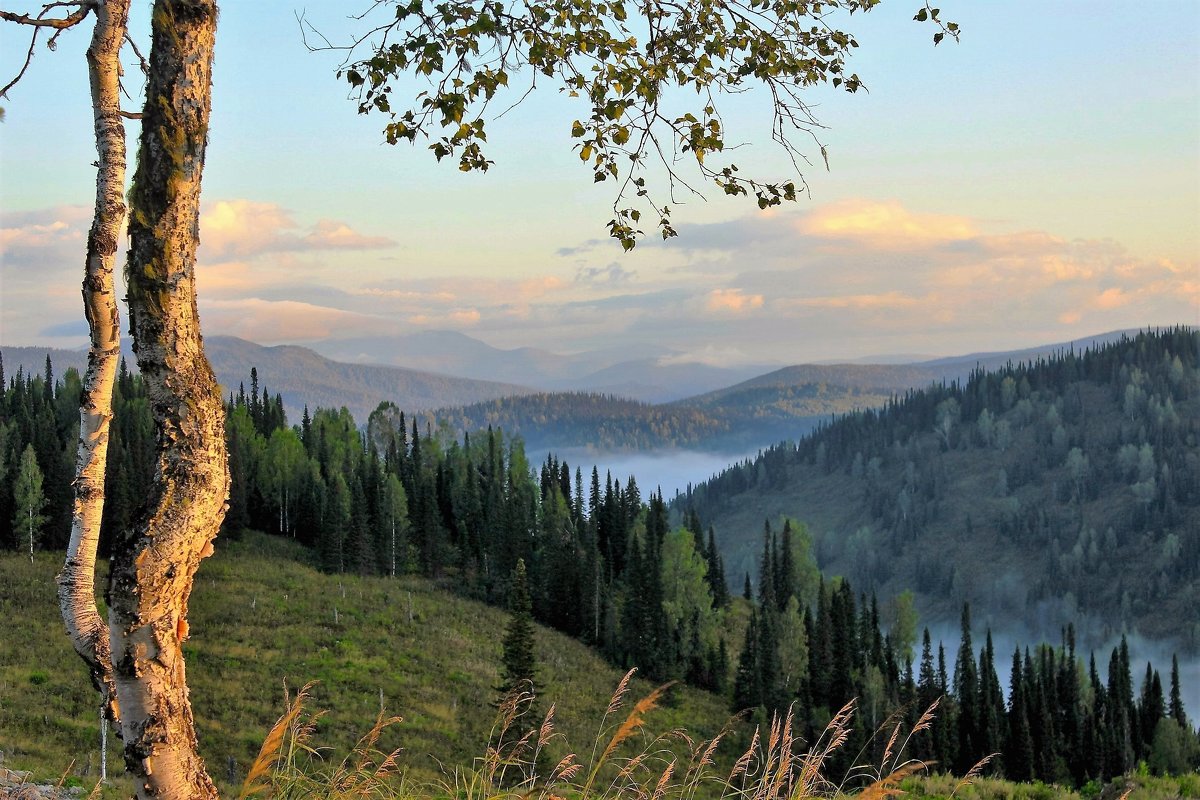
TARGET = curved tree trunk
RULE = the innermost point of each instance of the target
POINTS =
(154, 564)
(76, 582)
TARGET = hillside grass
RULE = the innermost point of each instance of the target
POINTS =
(261, 618)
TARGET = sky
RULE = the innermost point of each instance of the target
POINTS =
(1036, 182)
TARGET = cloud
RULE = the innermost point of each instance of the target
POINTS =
(1111, 298)
(280, 321)
(453, 318)
(732, 301)
(244, 229)
(890, 300)
(712, 355)
(611, 275)
(584, 247)
(841, 280)
(884, 223)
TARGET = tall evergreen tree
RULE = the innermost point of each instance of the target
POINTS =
(966, 690)
(518, 669)
(1175, 709)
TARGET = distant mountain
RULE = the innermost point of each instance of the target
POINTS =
(556, 420)
(655, 402)
(654, 376)
(303, 377)
(1063, 490)
(653, 381)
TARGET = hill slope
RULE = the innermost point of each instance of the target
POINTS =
(260, 618)
(1067, 490)
(302, 377)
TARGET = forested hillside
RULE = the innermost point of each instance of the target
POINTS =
(300, 376)
(606, 567)
(578, 419)
(1063, 490)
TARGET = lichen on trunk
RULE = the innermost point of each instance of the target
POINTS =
(155, 562)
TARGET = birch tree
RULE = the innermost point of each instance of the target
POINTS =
(76, 582)
(29, 499)
(467, 49)
(153, 565)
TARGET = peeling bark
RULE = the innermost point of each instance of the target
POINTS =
(154, 563)
(76, 582)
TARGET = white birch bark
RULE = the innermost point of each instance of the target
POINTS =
(76, 582)
(154, 564)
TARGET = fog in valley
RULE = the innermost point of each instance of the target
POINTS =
(668, 470)
(673, 470)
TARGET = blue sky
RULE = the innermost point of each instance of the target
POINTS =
(1036, 182)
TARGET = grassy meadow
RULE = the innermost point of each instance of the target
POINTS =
(260, 617)
(263, 618)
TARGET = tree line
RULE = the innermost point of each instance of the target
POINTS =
(1085, 462)
(604, 565)
(812, 646)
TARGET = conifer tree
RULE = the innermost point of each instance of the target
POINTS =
(966, 690)
(1175, 710)
(518, 671)
(716, 571)
(518, 667)
(747, 681)
(1018, 749)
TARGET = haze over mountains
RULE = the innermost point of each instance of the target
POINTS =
(1062, 491)
(655, 375)
(738, 407)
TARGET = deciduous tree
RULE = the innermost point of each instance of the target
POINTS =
(625, 68)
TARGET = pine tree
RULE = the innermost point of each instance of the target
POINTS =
(747, 681)
(966, 690)
(716, 571)
(518, 666)
(1176, 707)
(1018, 749)
(518, 671)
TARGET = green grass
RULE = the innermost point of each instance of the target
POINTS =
(261, 618)
(1139, 787)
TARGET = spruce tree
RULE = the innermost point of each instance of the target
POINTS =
(1175, 710)
(1018, 749)
(518, 667)
(747, 681)
(518, 671)
(966, 689)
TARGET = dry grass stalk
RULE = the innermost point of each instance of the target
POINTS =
(974, 772)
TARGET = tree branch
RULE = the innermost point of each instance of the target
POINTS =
(37, 23)
(40, 21)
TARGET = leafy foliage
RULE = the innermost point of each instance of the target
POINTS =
(650, 76)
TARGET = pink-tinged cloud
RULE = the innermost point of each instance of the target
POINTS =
(732, 301)
(1109, 299)
(271, 322)
(38, 235)
(231, 229)
(853, 301)
(454, 318)
(329, 234)
(884, 222)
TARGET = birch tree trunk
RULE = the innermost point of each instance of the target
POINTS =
(76, 582)
(154, 563)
